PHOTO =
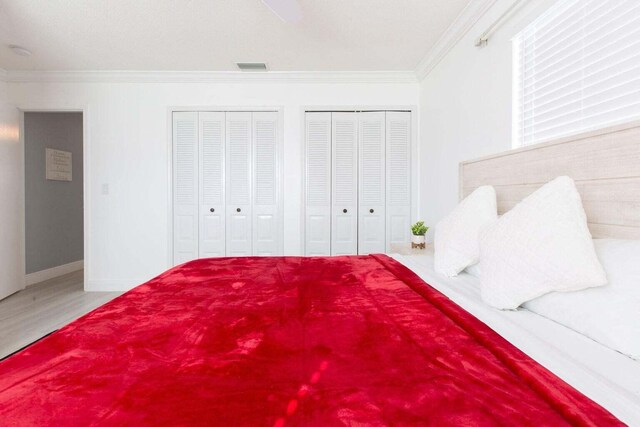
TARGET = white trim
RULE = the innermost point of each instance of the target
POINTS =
(280, 175)
(50, 273)
(210, 77)
(356, 108)
(415, 166)
(86, 192)
(460, 26)
(224, 109)
(169, 145)
(22, 201)
(86, 177)
(303, 181)
(112, 285)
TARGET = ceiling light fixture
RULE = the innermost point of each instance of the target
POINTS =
(19, 50)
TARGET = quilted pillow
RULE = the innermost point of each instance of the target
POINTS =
(541, 245)
(456, 238)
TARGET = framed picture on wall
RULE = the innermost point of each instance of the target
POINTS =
(58, 165)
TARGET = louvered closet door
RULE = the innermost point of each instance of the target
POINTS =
(344, 218)
(398, 129)
(185, 187)
(238, 180)
(371, 194)
(267, 220)
(318, 183)
(212, 206)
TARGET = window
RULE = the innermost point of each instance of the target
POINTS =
(576, 68)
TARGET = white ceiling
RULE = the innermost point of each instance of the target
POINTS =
(211, 35)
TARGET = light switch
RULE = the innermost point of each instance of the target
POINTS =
(105, 189)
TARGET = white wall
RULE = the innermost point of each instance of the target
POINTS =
(11, 193)
(127, 146)
(465, 105)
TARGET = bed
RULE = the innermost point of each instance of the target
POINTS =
(284, 341)
(346, 341)
(604, 375)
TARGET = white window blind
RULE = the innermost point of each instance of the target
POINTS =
(577, 68)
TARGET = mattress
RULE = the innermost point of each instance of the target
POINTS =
(606, 376)
(285, 341)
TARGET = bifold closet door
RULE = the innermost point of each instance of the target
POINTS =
(266, 223)
(318, 184)
(185, 187)
(211, 184)
(371, 192)
(344, 164)
(238, 184)
(398, 165)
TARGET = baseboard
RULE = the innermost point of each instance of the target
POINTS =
(110, 285)
(50, 273)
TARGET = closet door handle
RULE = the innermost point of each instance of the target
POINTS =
(212, 210)
(344, 211)
(238, 210)
(370, 210)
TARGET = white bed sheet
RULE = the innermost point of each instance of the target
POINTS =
(604, 375)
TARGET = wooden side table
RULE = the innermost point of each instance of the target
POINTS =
(406, 249)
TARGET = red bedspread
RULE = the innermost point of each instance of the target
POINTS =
(345, 341)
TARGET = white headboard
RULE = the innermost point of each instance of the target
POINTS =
(605, 165)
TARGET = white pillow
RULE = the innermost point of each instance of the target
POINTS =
(473, 270)
(608, 314)
(456, 239)
(541, 245)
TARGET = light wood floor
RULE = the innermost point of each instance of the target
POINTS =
(44, 307)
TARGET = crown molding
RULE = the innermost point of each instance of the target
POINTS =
(210, 77)
(458, 28)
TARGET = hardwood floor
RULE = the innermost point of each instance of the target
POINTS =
(44, 307)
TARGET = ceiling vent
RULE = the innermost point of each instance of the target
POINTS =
(252, 66)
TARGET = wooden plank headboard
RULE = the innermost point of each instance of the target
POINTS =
(605, 165)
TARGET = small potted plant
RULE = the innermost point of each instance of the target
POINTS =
(418, 230)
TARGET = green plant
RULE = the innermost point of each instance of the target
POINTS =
(419, 229)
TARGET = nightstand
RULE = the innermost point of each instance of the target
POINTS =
(405, 249)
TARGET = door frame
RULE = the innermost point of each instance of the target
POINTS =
(415, 154)
(279, 109)
(86, 184)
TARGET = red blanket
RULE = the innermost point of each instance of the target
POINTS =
(345, 341)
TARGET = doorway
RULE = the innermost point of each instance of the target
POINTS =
(54, 205)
